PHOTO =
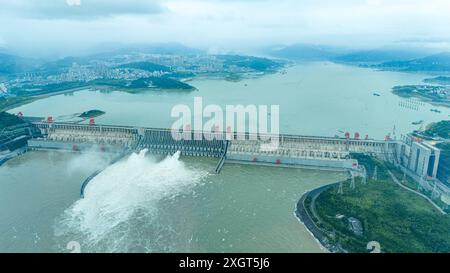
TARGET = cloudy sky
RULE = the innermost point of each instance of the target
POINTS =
(73, 26)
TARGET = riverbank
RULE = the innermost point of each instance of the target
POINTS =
(423, 92)
(385, 212)
(8, 156)
(9, 103)
(305, 216)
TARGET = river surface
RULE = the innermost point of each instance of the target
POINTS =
(315, 99)
(145, 204)
(148, 204)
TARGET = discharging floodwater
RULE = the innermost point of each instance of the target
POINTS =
(144, 205)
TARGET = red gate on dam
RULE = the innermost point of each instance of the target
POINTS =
(291, 150)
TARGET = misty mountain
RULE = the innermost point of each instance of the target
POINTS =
(4, 51)
(117, 53)
(63, 64)
(305, 52)
(434, 63)
(250, 62)
(159, 48)
(11, 64)
(380, 56)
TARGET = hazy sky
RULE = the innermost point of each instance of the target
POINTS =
(71, 26)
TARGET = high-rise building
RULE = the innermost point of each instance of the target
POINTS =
(422, 158)
(443, 173)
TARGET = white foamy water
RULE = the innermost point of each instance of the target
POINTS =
(120, 209)
(85, 161)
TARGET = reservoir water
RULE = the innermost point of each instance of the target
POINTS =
(315, 99)
(148, 204)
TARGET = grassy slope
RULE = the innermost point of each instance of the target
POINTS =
(8, 103)
(8, 120)
(91, 114)
(441, 129)
(399, 220)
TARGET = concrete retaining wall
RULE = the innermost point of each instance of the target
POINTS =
(42, 144)
(326, 164)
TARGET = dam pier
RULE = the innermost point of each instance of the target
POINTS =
(417, 159)
(292, 151)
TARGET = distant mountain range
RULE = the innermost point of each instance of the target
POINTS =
(413, 60)
(307, 52)
(157, 48)
(255, 63)
(380, 56)
(434, 63)
(11, 64)
(408, 59)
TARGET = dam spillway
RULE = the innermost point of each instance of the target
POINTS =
(292, 150)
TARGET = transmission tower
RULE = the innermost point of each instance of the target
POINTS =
(352, 183)
(421, 184)
(375, 173)
(435, 193)
(404, 178)
(364, 175)
(341, 188)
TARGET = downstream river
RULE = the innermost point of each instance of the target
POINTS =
(148, 204)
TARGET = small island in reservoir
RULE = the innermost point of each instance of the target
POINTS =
(436, 94)
(91, 114)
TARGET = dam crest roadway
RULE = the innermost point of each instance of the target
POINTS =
(317, 152)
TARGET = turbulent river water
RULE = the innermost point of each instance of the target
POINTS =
(155, 204)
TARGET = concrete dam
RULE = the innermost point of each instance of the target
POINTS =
(292, 150)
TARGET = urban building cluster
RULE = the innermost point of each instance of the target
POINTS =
(115, 68)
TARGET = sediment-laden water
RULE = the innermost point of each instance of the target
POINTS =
(152, 204)
(149, 204)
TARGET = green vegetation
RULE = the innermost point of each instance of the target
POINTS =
(38, 90)
(29, 93)
(249, 62)
(180, 75)
(444, 146)
(144, 83)
(233, 77)
(398, 219)
(434, 63)
(420, 89)
(438, 129)
(414, 185)
(11, 64)
(7, 120)
(11, 102)
(438, 80)
(437, 94)
(91, 114)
